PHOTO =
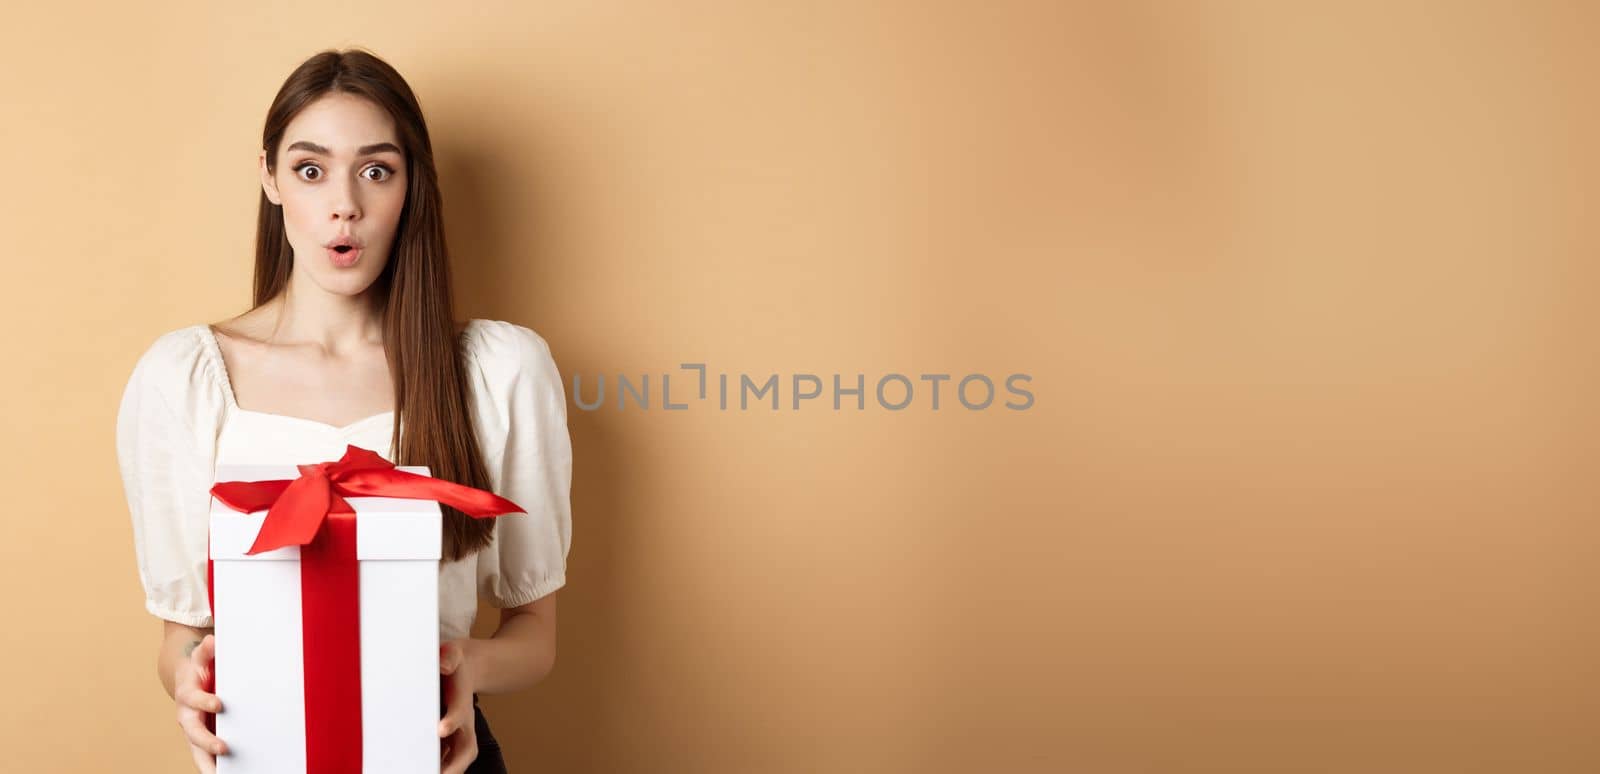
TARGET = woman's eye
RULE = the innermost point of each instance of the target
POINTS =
(310, 172)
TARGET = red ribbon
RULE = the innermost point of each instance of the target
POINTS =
(310, 511)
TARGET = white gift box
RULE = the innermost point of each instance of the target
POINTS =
(259, 670)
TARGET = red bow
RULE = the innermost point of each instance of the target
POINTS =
(299, 506)
(310, 511)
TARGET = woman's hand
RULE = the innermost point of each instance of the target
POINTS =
(457, 727)
(192, 681)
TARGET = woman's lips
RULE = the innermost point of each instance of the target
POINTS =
(346, 259)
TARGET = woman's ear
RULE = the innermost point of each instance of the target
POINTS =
(269, 185)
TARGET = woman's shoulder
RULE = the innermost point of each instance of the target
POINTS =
(513, 365)
(175, 358)
(505, 347)
(173, 376)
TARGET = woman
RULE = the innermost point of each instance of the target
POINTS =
(352, 340)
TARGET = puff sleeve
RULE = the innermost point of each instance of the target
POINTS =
(527, 558)
(166, 446)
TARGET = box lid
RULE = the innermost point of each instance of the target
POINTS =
(387, 527)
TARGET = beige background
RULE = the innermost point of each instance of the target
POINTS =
(1304, 289)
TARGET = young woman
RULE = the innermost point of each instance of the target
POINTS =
(352, 340)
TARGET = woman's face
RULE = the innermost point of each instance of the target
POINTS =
(340, 178)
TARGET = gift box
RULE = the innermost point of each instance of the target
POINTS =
(324, 588)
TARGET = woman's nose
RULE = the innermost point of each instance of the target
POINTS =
(345, 206)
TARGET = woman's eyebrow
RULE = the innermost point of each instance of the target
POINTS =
(361, 151)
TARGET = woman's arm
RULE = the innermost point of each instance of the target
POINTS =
(520, 653)
(177, 641)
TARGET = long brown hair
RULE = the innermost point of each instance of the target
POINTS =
(419, 329)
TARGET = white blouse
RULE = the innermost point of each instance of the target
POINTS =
(179, 419)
